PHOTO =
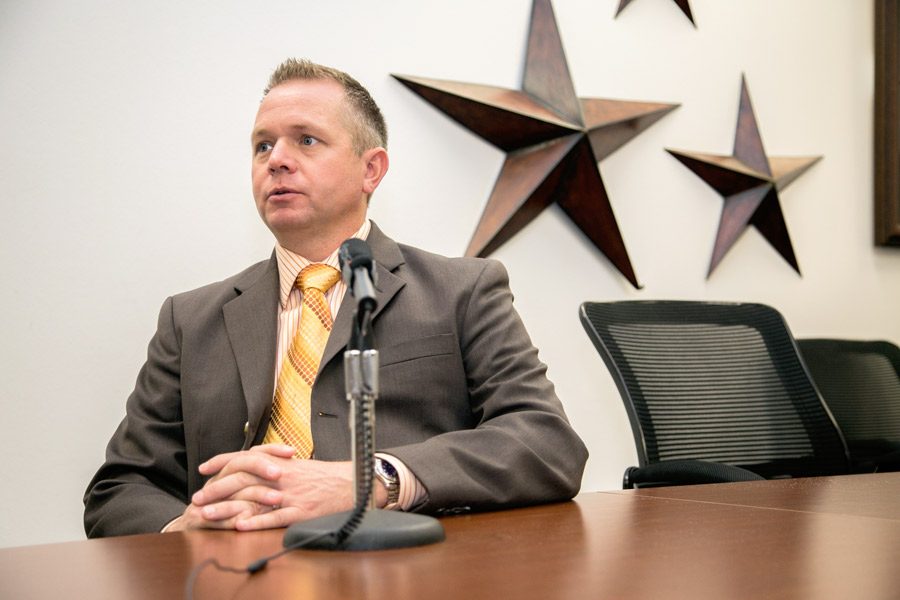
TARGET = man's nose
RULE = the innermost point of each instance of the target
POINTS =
(281, 158)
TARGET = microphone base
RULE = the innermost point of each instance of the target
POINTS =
(379, 530)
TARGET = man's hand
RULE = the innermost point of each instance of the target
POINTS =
(264, 488)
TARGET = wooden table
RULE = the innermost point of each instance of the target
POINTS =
(835, 537)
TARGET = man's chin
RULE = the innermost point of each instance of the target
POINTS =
(283, 220)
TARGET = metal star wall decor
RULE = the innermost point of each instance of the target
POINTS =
(749, 182)
(684, 5)
(553, 140)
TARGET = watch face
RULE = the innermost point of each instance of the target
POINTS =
(387, 468)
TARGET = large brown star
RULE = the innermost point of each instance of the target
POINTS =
(553, 141)
(749, 183)
(682, 4)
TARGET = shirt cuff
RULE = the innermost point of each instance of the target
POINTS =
(169, 524)
(412, 492)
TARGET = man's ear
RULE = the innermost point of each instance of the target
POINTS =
(376, 163)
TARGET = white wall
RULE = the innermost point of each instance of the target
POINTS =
(124, 173)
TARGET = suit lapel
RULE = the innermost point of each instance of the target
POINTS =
(387, 257)
(251, 321)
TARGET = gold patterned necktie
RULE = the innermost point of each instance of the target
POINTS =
(291, 412)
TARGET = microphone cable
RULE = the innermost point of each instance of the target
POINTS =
(254, 567)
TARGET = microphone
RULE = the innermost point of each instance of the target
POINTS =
(358, 271)
(363, 527)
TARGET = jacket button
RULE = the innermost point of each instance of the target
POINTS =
(246, 427)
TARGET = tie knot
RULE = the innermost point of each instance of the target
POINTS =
(317, 276)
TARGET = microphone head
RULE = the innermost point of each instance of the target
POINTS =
(354, 254)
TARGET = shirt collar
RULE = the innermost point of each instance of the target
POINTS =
(290, 263)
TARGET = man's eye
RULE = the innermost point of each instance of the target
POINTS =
(263, 147)
(308, 140)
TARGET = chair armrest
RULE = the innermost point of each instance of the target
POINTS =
(685, 472)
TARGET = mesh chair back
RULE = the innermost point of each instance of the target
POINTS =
(860, 382)
(715, 381)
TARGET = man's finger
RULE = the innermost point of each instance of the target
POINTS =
(216, 463)
(235, 485)
(260, 464)
(280, 517)
(222, 515)
(280, 450)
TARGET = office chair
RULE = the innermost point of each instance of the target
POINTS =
(714, 392)
(860, 383)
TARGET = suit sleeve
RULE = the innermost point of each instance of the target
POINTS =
(522, 450)
(143, 482)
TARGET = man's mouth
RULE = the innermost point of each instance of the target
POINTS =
(278, 192)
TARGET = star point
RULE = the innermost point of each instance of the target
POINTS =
(684, 5)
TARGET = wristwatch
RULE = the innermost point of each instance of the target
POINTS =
(387, 475)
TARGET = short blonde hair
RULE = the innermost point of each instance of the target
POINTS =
(368, 129)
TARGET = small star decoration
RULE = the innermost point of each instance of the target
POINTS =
(553, 140)
(682, 4)
(749, 183)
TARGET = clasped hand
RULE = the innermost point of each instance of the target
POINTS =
(264, 488)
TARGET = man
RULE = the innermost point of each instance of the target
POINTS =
(466, 416)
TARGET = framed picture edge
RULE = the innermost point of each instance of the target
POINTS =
(887, 123)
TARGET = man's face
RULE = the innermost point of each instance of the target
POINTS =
(307, 179)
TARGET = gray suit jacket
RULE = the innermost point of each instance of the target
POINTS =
(464, 401)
